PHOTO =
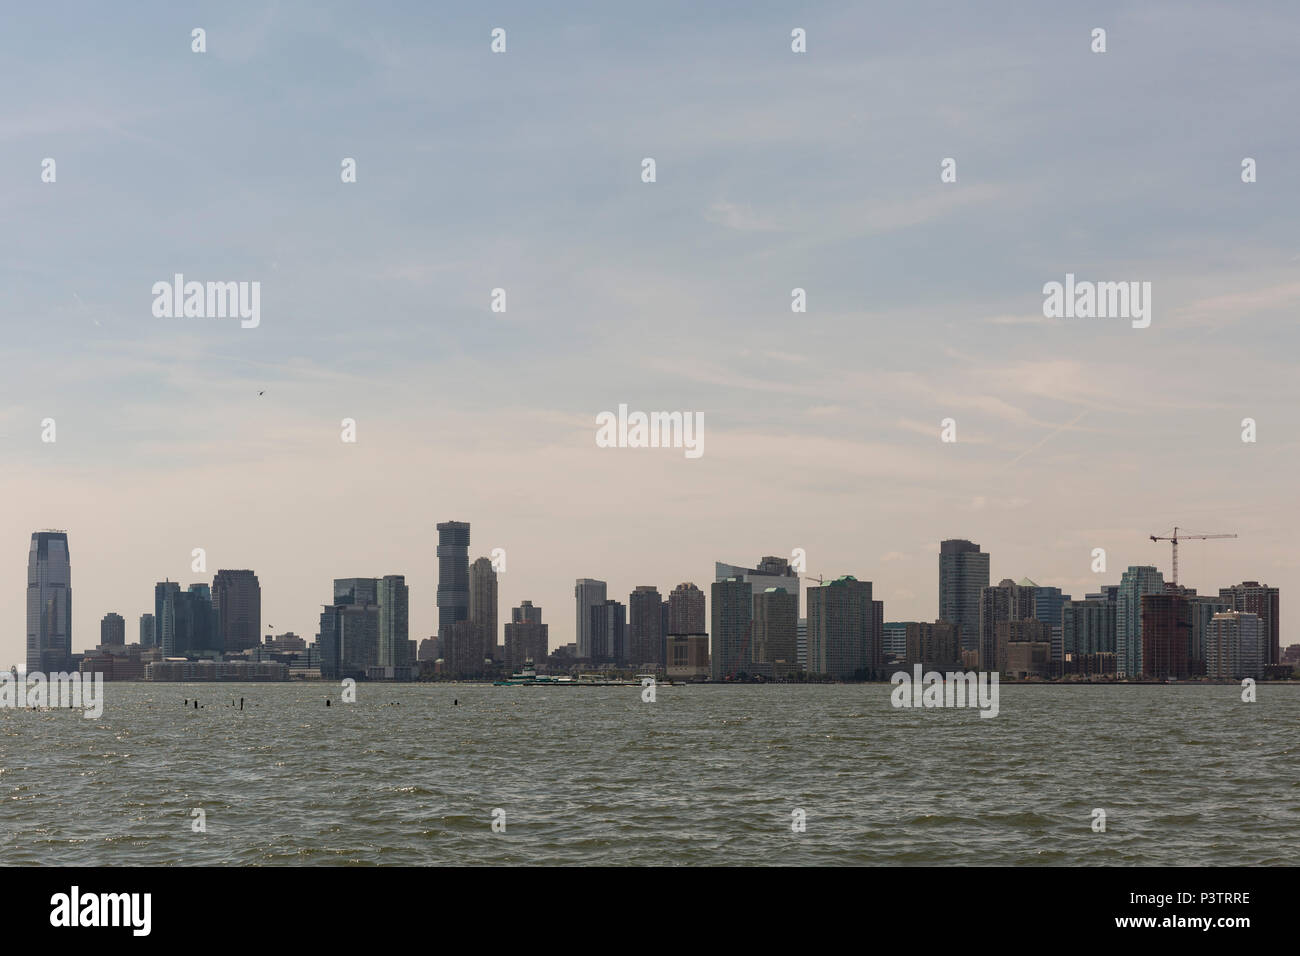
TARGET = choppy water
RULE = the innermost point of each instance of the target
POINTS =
(704, 775)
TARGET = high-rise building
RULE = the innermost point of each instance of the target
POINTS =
(1166, 636)
(609, 633)
(49, 603)
(526, 638)
(645, 628)
(356, 590)
(1235, 646)
(733, 614)
(842, 642)
(453, 573)
(1007, 601)
(237, 596)
(587, 593)
(190, 623)
(462, 649)
(963, 576)
(803, 643)
(772, 572)
(1262, 601)
(1087, 627)
(934, 646)
(146, 631)
(112, 629)
(394, 626)
(160, 592)
(1048, 605)
(483, 601)
(776, 631)
(1134, 583)
(686, 610)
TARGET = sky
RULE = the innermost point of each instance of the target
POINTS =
(522, 170)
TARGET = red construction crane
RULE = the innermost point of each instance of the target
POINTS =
(1176, 537)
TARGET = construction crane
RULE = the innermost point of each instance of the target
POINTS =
(1176, 537)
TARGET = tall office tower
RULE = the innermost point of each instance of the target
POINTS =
(803, 643)
(49, 603)
(146, 631)
(776, 629)
(1235, 646)
(1262, 601)
(526, 613)
(462, 649)
(526, 638)
(1007, 601)
(1133, 584)
(453, 573)
(1166, 635)
(1087, 627)
(893, 639)
(645, 636)
(878, 630)
(686, 610)
(112, 629)
(733, 614)
(160, 592)
(587, 593)
(609, 633)
(934, 646)
(237, 596)
(190, 622)
(1203, 608)
(356, 590)
(483, 601)
(963, 576)
(841, 639)
(394, 624)
(772, 572)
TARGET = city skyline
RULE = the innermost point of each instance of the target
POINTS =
(1134, 582)
(777, 171)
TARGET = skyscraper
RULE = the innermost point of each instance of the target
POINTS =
(1234, 646)
(963, 575)
(1007, 601)
(609, 633)
(146, 631)
(237, 596)
(483, 602)
(587, 593)
(112, 629)
(394, 626)
(842, 642)
(49, 603)
(645, 628)
(160, 592)
(775, 645)
(772, 572)
(733, 615)
(1166, 635)
(526, 637)
(190, 622)
(686, 610)
(1262, 601)
(453, 573)
(1088, 627)
(1135, 582)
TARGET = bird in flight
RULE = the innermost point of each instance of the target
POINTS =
(262, 392)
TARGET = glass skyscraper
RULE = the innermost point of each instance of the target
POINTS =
(49, 603)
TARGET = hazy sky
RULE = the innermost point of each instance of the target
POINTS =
(522, 170)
